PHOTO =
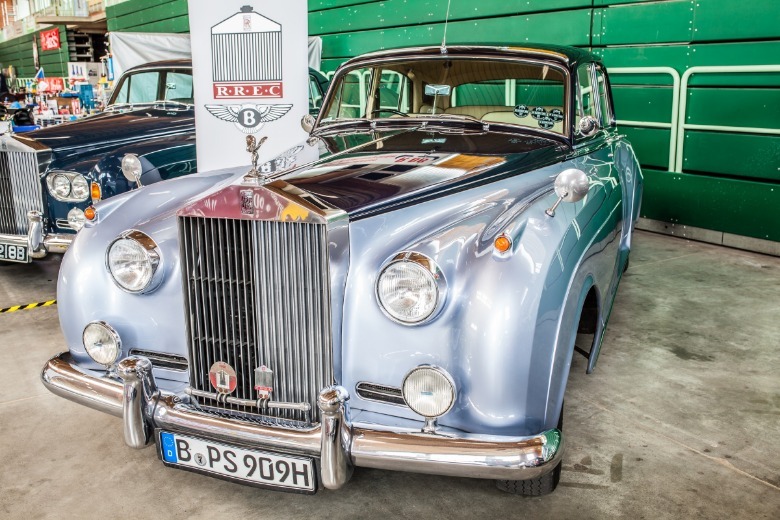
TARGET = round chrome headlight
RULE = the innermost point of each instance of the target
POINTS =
(429, 391)
(101, 342)
(132, 167)
(410, 288)
(76, 219)
(60, 185)
(133, 259)
(67, 186)
(79, 187)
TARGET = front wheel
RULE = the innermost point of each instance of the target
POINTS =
(538, 486)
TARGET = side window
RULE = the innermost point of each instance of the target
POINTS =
(605, 114)
(394, 91)
(315, 94)
(178, 87)
(121, 96)
(143, 87)
(585, 100)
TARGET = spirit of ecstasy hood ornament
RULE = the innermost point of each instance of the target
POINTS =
(252, 146)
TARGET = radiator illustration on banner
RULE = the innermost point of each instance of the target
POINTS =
(246, 51)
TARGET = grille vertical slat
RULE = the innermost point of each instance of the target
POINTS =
(20, 190)
(258, 293)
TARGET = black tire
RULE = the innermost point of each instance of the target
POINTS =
(535, 487)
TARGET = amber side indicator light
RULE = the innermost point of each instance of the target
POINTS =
(94, 190)
(90, 213)
(503, 243)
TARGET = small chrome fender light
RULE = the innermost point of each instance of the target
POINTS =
(102, 342)
(429, 391)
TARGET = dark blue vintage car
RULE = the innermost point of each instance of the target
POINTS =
(49, 177)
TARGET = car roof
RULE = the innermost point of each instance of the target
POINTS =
(164, 64)
(570, 56)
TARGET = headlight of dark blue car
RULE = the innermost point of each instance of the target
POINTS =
(67, 186)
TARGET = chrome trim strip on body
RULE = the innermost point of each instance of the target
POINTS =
(337, 443)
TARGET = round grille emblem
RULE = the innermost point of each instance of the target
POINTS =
(223, 377)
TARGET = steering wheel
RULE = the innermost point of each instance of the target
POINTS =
(391, 110)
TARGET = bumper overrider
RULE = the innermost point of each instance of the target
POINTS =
(130, 392)
(39, 243)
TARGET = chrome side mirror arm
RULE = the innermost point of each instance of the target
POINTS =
(571, 185)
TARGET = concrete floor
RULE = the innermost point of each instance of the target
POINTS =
(680, 420)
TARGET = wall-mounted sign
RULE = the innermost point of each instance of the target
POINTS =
(50, 40)
(250, 68)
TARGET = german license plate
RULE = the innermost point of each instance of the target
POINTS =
(13, 253)
(247, 466)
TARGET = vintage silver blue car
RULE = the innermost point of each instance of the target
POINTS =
(409, 299)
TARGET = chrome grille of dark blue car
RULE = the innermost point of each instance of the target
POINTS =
(20, 190)
(258, 293)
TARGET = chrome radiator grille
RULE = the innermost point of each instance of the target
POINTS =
(20, 190)
(258, 293)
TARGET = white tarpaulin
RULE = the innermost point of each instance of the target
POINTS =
(315, 52)
(129, 49)
(251, 78)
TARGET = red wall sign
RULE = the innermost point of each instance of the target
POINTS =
(50, 40)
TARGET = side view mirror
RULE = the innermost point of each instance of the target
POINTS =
(588, 126)
(132, 168)
(571, 186)
(307, 123)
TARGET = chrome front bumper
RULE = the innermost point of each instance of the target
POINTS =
(39, 244)
(338, 444)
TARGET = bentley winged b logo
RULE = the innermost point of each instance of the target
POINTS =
(249, 117)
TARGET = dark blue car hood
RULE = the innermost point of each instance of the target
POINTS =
(108, 131)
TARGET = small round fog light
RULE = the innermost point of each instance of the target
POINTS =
(429, 391)
(76, 219)
(101, 342)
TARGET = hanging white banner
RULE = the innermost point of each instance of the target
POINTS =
(249, 61)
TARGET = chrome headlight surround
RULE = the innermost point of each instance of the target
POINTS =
(437, 379)
(427, 268)
(66, 186)
(112, 344)
(150, 254)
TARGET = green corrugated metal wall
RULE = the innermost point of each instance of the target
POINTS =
(19, 53)
(149, 16)
(727, 178)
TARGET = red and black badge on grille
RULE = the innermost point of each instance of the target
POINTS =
(264, 380)
(223, 377)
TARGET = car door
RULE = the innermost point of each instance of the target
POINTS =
(602, 217)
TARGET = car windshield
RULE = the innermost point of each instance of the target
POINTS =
(152, 86)
(516, 92)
